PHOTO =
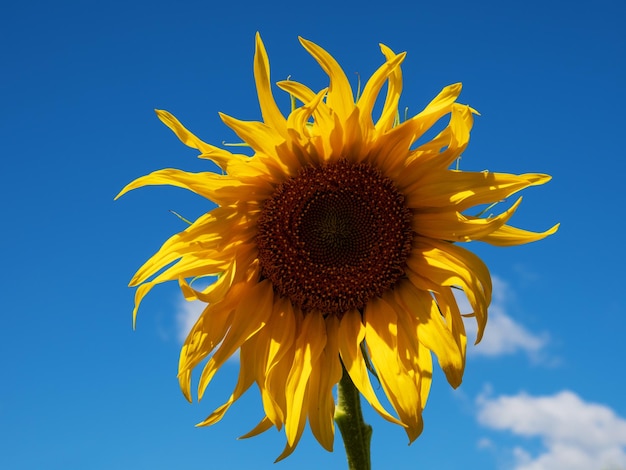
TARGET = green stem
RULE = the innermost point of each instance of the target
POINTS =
(355, 432)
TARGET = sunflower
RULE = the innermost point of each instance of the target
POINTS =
(335, 249)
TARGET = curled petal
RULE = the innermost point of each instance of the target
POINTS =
(340, 97)
(225, 160)
(510, 236)
(443, 264)
(263, 426)
(374, 84)
(454, 226)
(389, 113)
(421, 318)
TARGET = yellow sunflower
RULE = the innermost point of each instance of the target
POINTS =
(334, 247)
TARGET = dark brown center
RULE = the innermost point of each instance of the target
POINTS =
(334, 237)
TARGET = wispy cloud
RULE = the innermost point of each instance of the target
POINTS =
(576, 435)
(504, 335)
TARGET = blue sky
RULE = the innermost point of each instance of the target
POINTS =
(79, 82)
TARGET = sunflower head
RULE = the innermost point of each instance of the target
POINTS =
(336, 246)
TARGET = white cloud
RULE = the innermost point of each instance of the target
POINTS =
(576, 435)
(506, 336)
(503, 334)
(484, 443)
(186, 316)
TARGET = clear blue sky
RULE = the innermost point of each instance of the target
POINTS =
(79, 82)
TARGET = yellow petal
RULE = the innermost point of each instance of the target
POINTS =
(453, 319)
(297, 90)
(421, 316)
(215, 292)
(222, 190)
(454, 226)
(273, 390)
(325, 375)
(355, 138)
(392, 151)
(299, 117)
(283, 333)
(351, 335)
(140, 293)
(290, 447)
(425, 361)
(509, 236)
(190, 266)
(461, 190)
(434, 263)
(206, 334)
(309, 345)
(271, 114)
(279, 337)
(340, 98)
(394, 89)
(198, 264)
(249, 317)
(438, 107)
(248, 360)
(263, 426)
(220, 157)
(446, 97)
(414, 356)
(381, 332)
(261, 137)
(267, 143)
(374, 84)
(185, 136)
(454, 138)
(212, 231)
(389, 152)
(298, 144)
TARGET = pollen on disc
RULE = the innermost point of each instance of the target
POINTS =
(334, 236)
